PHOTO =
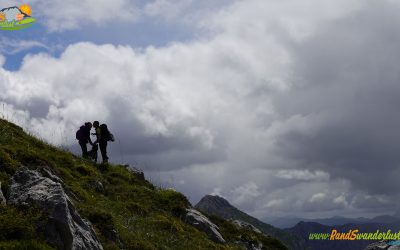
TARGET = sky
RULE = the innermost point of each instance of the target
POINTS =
(283, 107)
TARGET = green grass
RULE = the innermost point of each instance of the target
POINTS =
(143, 215)
(21, 228)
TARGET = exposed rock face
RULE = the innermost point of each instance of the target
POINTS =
(243, 224)
(135, 171)
(250, 245)
(65, 228)
(2, 198)
(381, 245)
(202, 223)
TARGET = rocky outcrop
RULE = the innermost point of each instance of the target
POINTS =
(65, 228)
(2, 198)
(242, 224)
(137, 172)
(249, 244)
(202, 223)
(384, 245)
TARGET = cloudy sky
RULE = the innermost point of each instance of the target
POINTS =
(284, 107)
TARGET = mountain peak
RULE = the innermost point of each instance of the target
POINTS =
(213, 201)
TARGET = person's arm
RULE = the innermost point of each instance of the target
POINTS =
(88, 136)
(98, 136)
(90, 141)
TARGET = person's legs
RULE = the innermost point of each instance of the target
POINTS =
(95, 148)
(84, 148)
(103, 150)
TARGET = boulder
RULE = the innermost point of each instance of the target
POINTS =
(384, 245)
(2, 198)
(202, 223)
(65, 229)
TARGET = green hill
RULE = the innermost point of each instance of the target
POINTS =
(126, 211)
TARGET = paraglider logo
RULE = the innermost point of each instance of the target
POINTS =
(16, 18)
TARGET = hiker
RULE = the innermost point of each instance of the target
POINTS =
(83, 136)
(103, 135)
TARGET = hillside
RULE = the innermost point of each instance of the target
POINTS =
(42, 183)
(218, 206)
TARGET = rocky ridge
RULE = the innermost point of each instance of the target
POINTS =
(65, 228)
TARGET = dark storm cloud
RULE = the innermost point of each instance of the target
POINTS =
(347, 86)
(157, 151)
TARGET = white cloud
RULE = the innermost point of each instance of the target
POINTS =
(61, 15)
(12, 46)
(317, 197)
(274, 204)
(245, 194)
(305, 175)
(341, 199)
(168, 9)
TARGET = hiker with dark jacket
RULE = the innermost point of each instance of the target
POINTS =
(102, 136)
(83, 136)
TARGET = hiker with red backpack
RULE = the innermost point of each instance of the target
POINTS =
(83, 136)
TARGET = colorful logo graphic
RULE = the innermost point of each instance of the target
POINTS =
(16, 18)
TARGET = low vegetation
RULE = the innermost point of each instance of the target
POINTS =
(126, 212)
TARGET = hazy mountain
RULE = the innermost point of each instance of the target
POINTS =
(218, 206)
(287, 222)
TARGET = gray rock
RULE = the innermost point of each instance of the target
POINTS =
(202, 223)
(2, 198)
(46, 172)
(97, 185)
(249, 245)
(242, 224)
(383, 245)
(137, 172)
(65, 228)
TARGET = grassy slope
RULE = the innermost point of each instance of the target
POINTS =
(145, 216)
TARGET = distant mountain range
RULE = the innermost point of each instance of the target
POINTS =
(287, 222)
(296, 234)
(218, 206)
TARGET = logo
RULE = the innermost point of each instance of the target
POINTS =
(394, 243)
(16, 18)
